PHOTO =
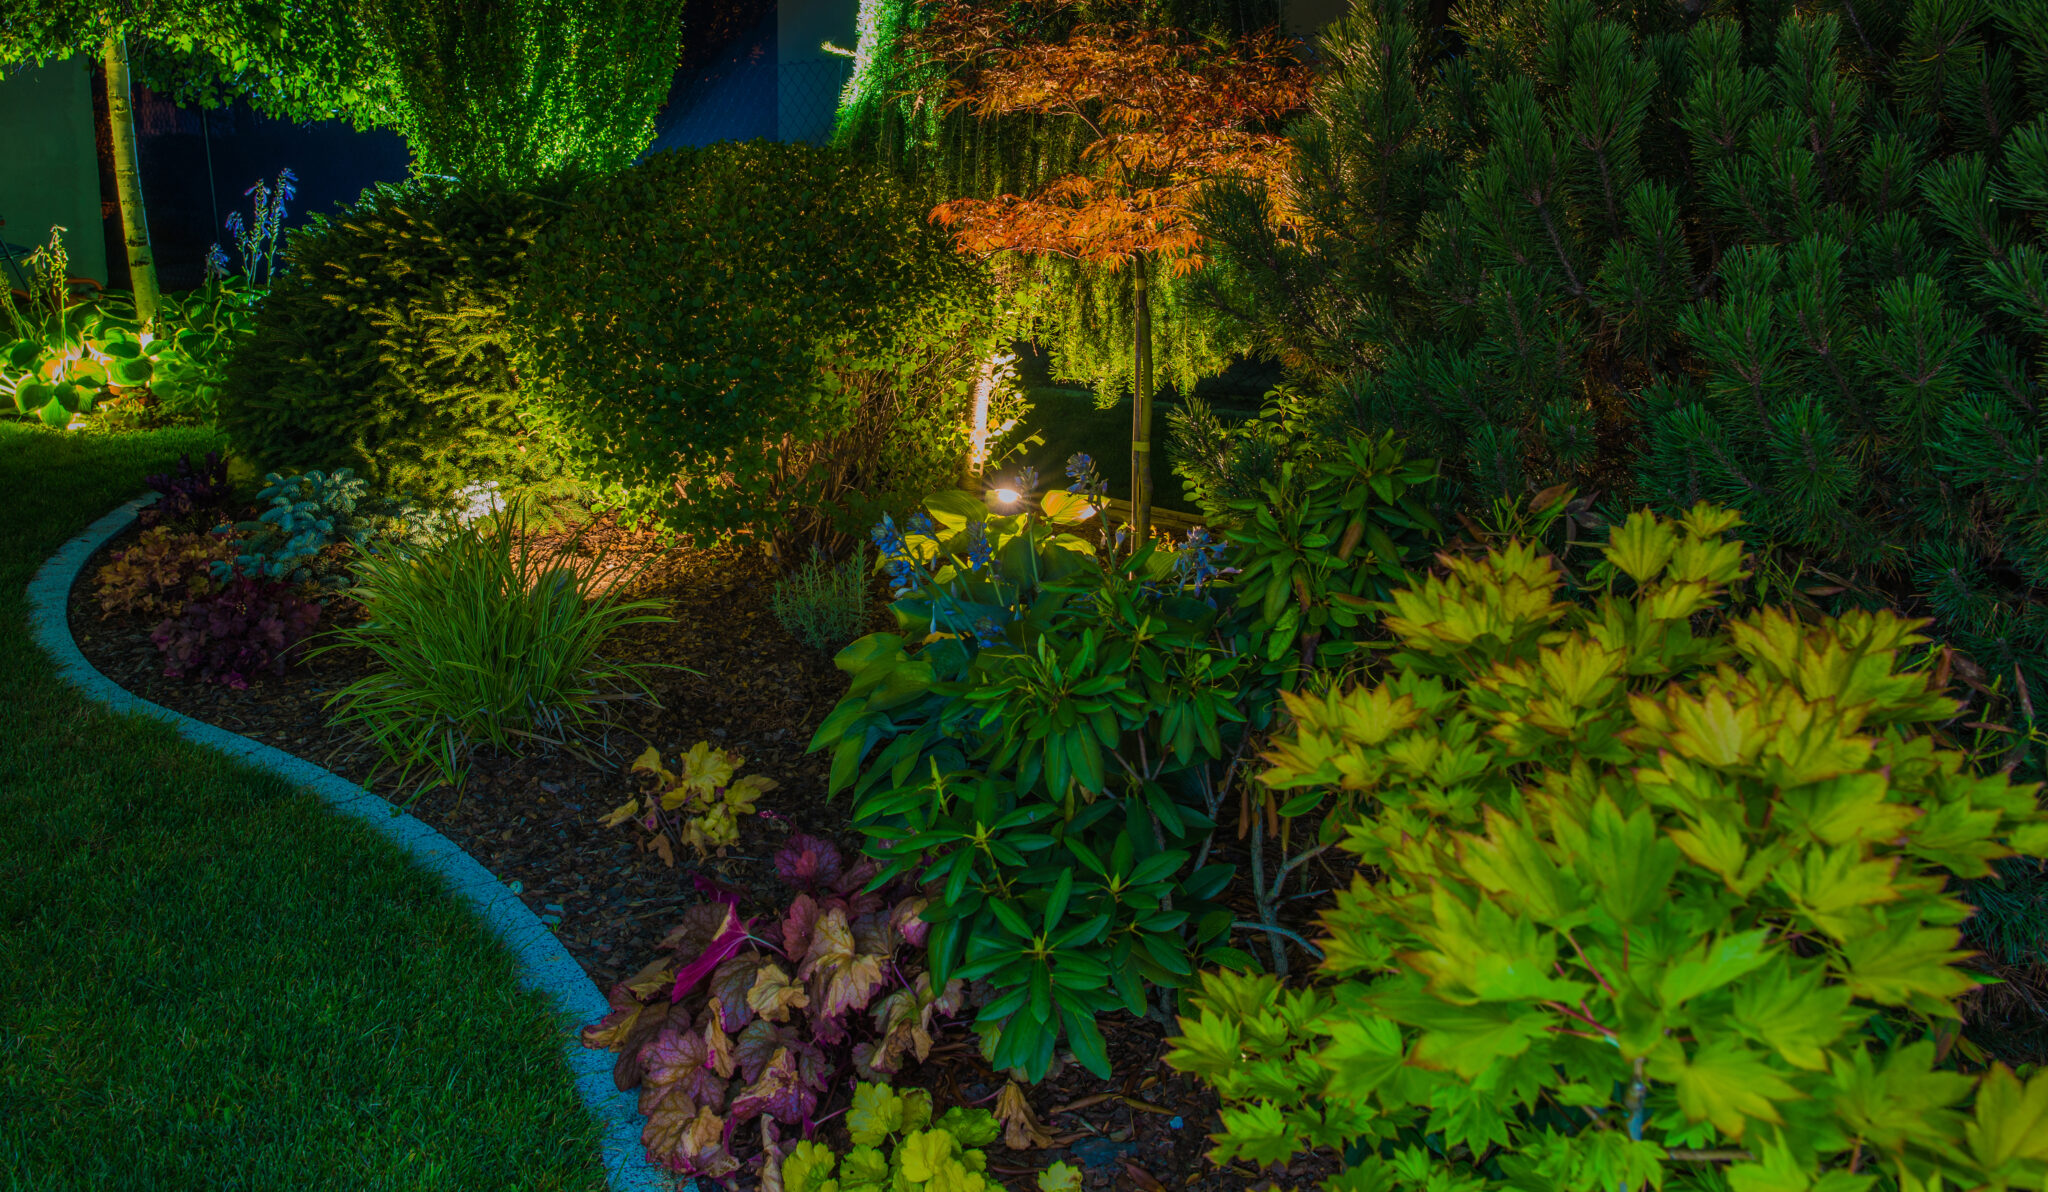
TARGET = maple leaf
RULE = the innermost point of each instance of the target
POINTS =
(1021, 1128)
(773, 995)
(729, 988)
(808, 863)
(841, 978)
(780, 1091)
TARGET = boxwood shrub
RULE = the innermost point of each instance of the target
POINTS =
(754, 337)
(385, 344)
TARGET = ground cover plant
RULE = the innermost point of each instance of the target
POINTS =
(1647, 903)
(224, 898)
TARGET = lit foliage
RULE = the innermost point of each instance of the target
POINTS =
(385, 344)
(699, 807)
(753, 337)
(898, 1147)
(745, 1023)
(1168, 113)
(1641, 895)
(162, 572)
(517, 91)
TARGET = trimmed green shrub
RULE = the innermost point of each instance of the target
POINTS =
(1645, 898)
(384, 345)
(754, 337)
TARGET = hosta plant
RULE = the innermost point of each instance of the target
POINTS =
(162, 572)
(757, 1020)
(1646, 898)
(899, 1147)
(249, 626)
(699, 807)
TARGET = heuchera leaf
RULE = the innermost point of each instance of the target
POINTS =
(912, 929)
(722, 945)
(780, 1092)
(798, 924)
(607, 1033)
(841, 979)
(774, 995)
(717, 1043)
(675, 1063)
(728, 988)
(692, 1145)
(808, 863)
(758, 1044)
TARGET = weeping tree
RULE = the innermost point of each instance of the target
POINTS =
(518, 90)
(295, 60)
(1158, 114)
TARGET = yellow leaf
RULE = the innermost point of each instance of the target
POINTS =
(622, 813)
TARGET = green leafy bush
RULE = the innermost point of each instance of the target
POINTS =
(1644, 900)
(484, 638)
(1787, 258)
(754, 336)
(384, 345)
(823, 604)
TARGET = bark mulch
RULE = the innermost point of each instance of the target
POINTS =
(749, 687)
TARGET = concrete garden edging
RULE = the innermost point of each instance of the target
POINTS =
(544, 964)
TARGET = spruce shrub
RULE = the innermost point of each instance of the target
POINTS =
(385, 344)
(1644, 899)
(1786, 258)
(754, 337)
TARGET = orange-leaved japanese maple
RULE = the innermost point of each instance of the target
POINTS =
(1168, 112)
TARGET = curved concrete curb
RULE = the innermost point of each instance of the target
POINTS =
(544, 964)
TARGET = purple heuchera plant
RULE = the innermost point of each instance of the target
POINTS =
(187, 491)
(758, 1025)
(250, 625)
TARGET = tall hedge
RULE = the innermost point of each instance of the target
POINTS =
(754, 337)
(385, 345)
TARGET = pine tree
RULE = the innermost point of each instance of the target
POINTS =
(1787, 259)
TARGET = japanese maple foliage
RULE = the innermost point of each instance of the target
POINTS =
(761, 1018)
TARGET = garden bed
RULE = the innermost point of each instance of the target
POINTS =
(744, 685)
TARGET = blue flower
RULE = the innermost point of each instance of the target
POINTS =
(234, 223)
(887, 538)
(1027, 480)
(920, 526)
(1197, 561)
(287, 185)
(987, 632)
(216, 262)
(1079, 465)
(979, 552)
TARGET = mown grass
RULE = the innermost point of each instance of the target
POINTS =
(209, 981)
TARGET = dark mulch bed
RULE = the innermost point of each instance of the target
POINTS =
(750, 688)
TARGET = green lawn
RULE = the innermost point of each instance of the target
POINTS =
(207, 980)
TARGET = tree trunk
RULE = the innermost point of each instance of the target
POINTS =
(128, 180)
(976, 463)
(1141, 410)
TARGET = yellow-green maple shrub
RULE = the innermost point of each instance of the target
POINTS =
(1650, 898)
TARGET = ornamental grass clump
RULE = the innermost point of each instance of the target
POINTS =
(822, 604)
(1646, 897)
(488, 637)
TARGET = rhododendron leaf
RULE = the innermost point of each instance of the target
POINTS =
(774, 995)
(729, 986)
(1021, 1128)
(808, 863)
(779, 1092)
